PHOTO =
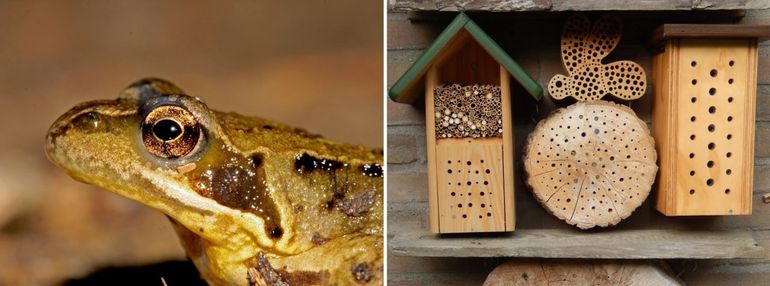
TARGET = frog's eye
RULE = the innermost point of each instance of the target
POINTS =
(170, 131)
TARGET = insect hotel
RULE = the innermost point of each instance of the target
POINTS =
(464, 78)
(703, 117)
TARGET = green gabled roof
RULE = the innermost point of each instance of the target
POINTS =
(416, 72)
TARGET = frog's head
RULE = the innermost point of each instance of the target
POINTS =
(165, 149)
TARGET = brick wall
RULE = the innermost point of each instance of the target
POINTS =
(533, 40)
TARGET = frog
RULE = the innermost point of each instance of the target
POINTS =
(253, 201)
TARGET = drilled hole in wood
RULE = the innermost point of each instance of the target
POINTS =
(727, 191)
(712, 109)
(453, 194)
(692, 137)
(728, 172)
(693, 63)
(468, 163)
(729, 136)
(693, 99)
(729, 154)
(692, 173)
(713, 73)
(470, 205)
(730, 99)
(692, 119)
(465, 216)
(712, 91)
(489, 214)
(449, 171)
(710, 164)
(481, 194)
(731, 63)
(712, 145)
(694, 81)
(710, 182)
(487, 171)
(730, 81)
(692, 192)
(460, 205)
(692, 155)
(729, 118)
(711, 128)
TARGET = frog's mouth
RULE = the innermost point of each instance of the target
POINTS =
(96, 143)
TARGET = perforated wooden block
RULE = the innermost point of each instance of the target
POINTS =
(703, 121)
(591, 163)
(470, 185)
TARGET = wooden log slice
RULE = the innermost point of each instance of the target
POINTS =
(581, 273)
(591, 163)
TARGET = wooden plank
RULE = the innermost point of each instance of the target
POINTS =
(663, 70)
(572, 5)
(477, 5)
(508, 191)
(431, 81)
(567, 243)
(722, 31)
(470, 185)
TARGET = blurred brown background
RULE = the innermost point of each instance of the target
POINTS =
(313, 64)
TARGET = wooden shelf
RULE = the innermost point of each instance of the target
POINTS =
(567, 243)
(566, 5)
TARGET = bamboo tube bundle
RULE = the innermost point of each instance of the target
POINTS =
(471, 111)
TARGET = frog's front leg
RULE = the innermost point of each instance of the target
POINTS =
(348, 260)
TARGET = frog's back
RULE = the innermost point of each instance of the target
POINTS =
(334, 189)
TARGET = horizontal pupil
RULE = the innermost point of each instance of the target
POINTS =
(167, 130)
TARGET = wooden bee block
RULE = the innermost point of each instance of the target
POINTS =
(703, 121)
(471, 195)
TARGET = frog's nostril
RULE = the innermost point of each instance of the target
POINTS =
(87, 122)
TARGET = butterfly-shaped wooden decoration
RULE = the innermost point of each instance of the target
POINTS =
(582, 49)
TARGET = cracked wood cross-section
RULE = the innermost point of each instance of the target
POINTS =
(591, 163)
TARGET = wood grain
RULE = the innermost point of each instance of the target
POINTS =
(431, 81)
(470, 185)
(570, 243)
(703, 115)
(591, 163)
(509, 191)
(548, 272)
(721, 31)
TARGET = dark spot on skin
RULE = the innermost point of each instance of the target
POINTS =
(305, 164)
(239, 185)
(276, 232)
(359, 204)
(264, 273)
(372, 170)
(256, 160)
(318, 239)
(361, 272)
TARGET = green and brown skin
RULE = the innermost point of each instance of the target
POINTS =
(253, 201)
